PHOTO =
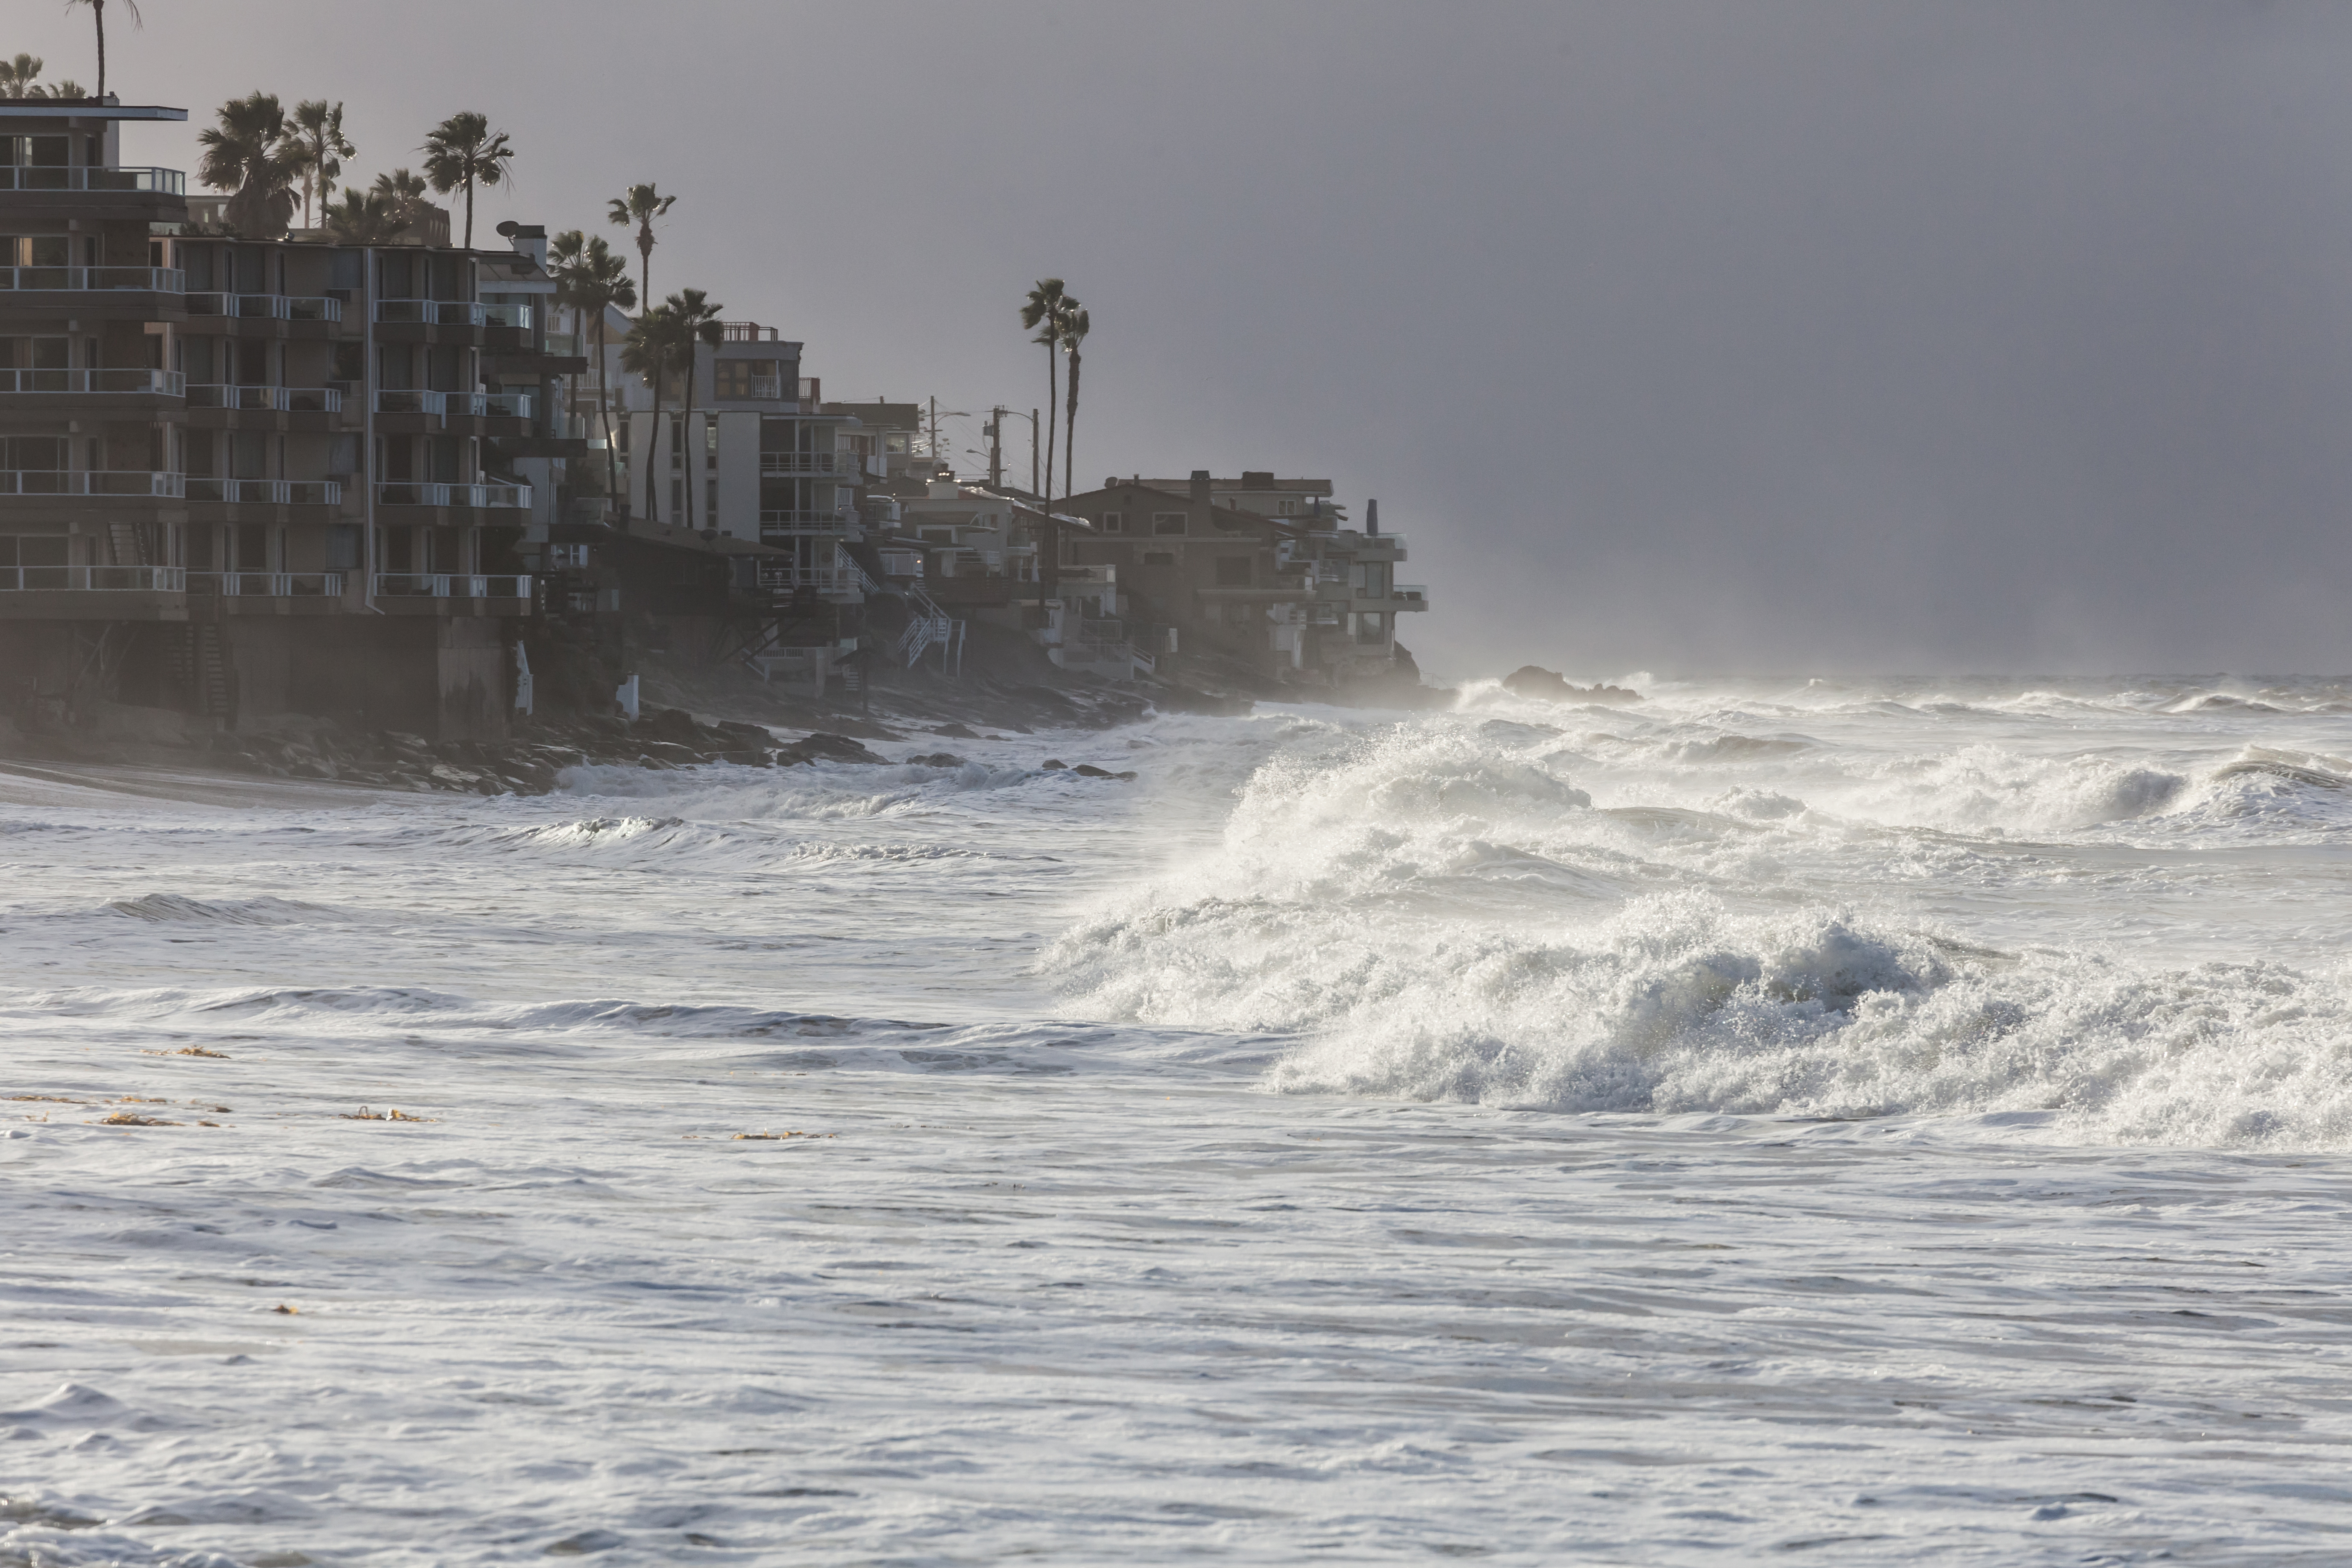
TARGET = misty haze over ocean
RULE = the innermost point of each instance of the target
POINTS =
(1794, 336)
(1793, 1110)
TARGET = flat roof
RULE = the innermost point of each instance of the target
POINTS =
(84, 108)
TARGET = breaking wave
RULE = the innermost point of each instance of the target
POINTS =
(1442, 913)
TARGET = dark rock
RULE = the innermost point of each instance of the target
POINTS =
(819, 746)
(936, 760)
(1089, 770)
(1550, 685)
(1052, 765)
(956, 732)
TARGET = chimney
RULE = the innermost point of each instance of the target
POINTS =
(1201, 486)
(1371, 520)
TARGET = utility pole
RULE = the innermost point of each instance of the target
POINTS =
(935, 433)
(996, 447)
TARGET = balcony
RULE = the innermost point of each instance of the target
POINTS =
(417, 400)
(53, 177)
(93, 580)
(1410, 595)
(266, 584)
(784, 579)
(267, 493)
(449, 586)
(434, 312)
(824, 520)
(89, 482)
(280, 399)
(806, 463)
(154, 382)
(509, 405)
(565, 345)
(94, 279)
(507, 316)
(409, 492)
(267, 307)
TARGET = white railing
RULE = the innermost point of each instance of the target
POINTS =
(410, 492)
(267, 585)
(267, 307)
(163, 383)
(267, 493)
(88, 482)
(1411, 594)
(565, 345)
(783, 579)
(508, 404)
(431, 312)
(449, 586)
(92, 579)
(824, 520)
(507, 316)
(803, 463)
(94, 279)
(282, 399)
(55, 177)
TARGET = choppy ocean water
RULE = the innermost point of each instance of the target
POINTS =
(1872, 1122)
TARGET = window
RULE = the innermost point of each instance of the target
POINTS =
(1232, 571)
(745, 378)
(677, 441)
(895, 443)
(711, 501)
(1285, 509)
(1113, 523)
(1167, 523)
(1158, 558)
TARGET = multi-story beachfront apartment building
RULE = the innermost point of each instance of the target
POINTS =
(1284, 593)
(245, 477)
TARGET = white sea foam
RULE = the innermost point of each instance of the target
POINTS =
(1774, 1118)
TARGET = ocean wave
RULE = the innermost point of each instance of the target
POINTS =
(1333, 911)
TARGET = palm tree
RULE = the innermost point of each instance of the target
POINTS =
(316, 149)
(364, 218)
(1043, 310)
(1075, 324)
(463, 151)
(694, 321)
(16, 77)
(641, 205)
(242, 155)
(590, 280)
(647, 353)
(98, 13)
(404, 190)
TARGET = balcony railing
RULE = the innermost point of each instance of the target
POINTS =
(507, 316)
(509, 405)
(827, 520)
(565, 345)
(88, 482)
(267, 307)
(783, 579)
(158, 382)
(267, 585)
(92, 579)
(1411, 593)
(95, 280)
(56, 177)
(267, 493)
(431, 312)
(806, 463)
(410, 492)
(449, 586)
(281, 399)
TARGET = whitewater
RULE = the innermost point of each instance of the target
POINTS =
(1832, 1122)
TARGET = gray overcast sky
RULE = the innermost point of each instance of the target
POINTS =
(1771, 336)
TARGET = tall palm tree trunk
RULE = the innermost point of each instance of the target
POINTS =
(1070, 429)
(469, 212)
(1049, 576)
(605, 418)
(98, 10)
(654, 440)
